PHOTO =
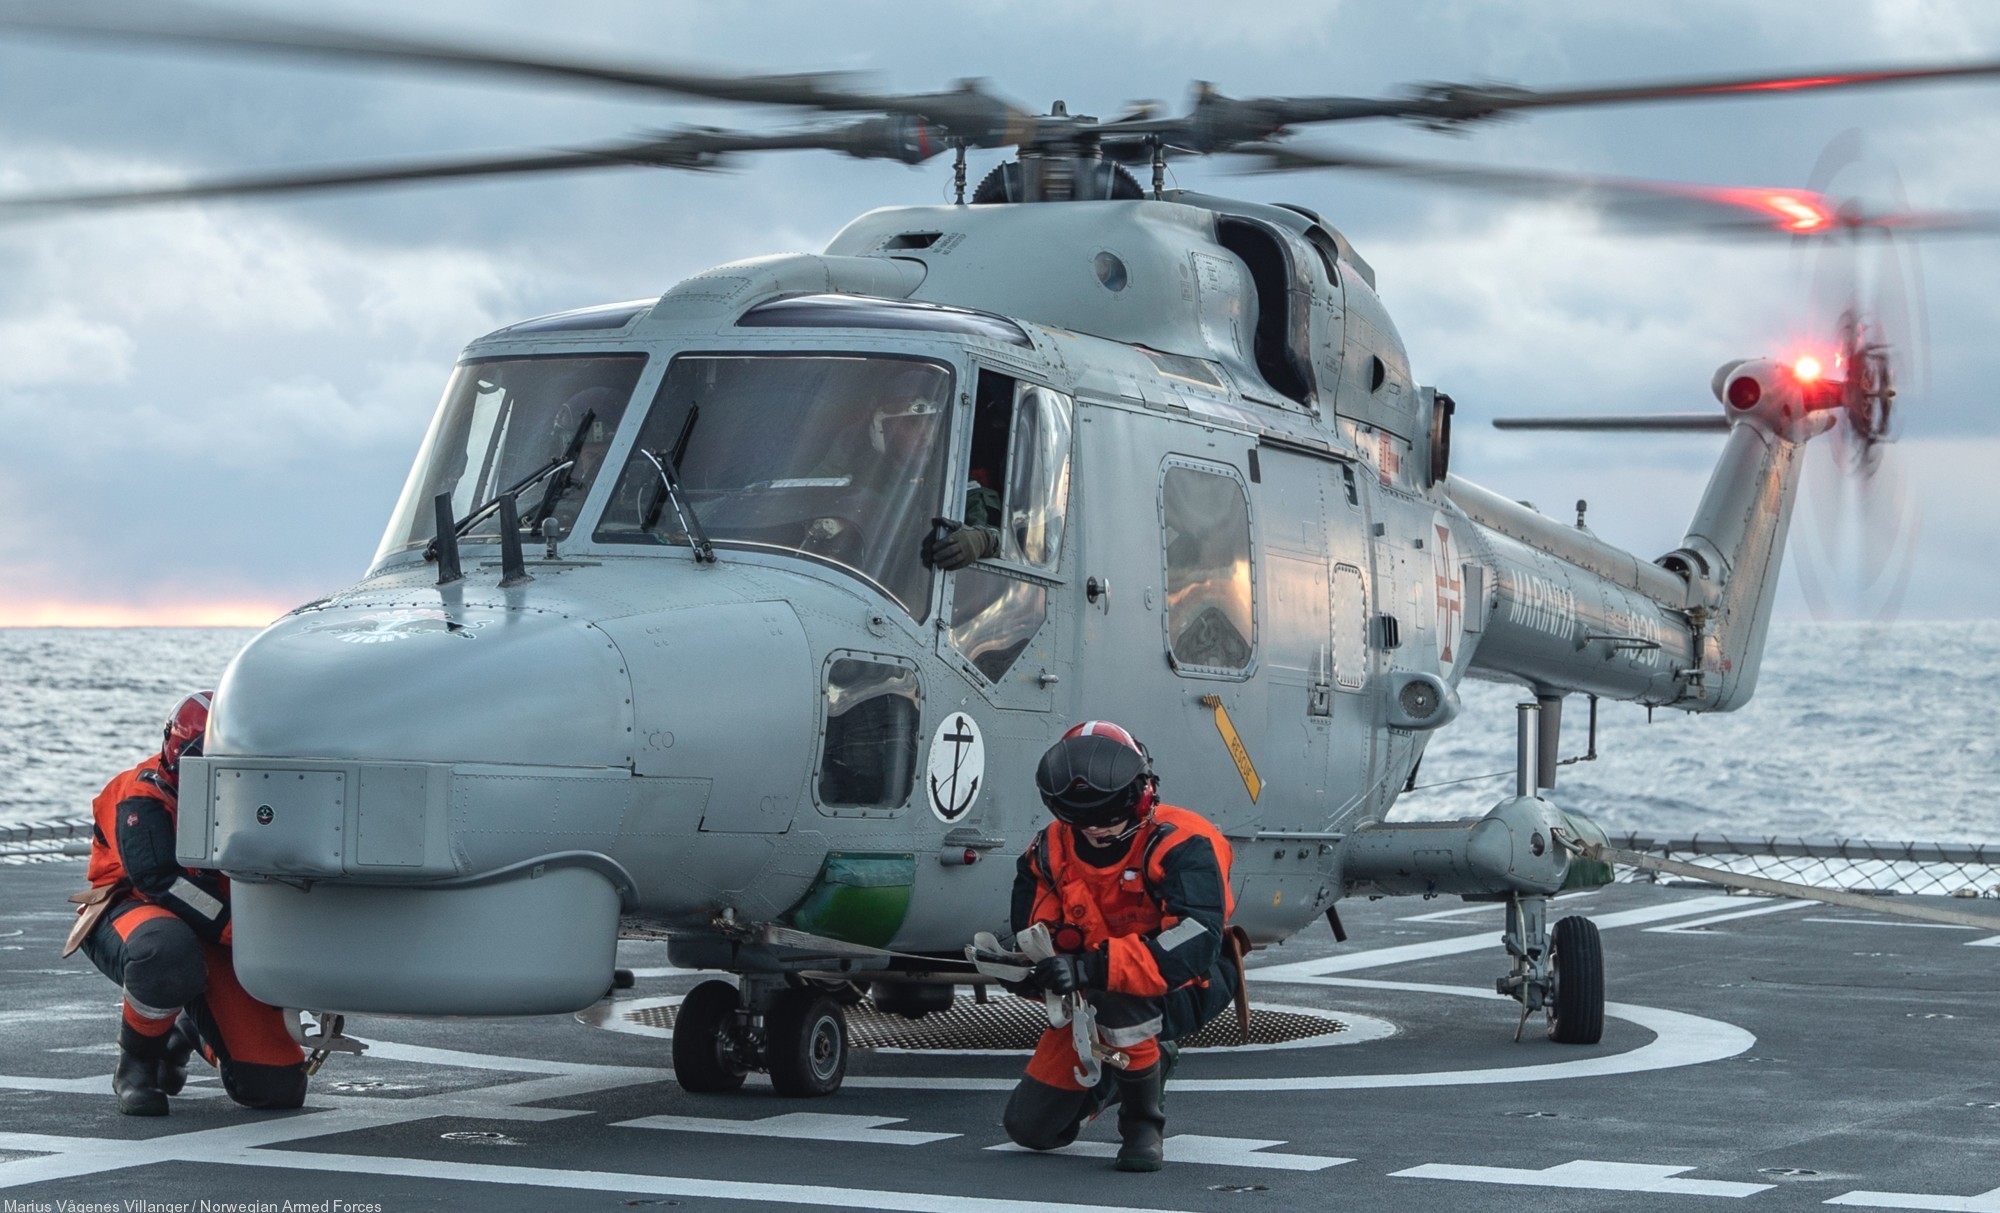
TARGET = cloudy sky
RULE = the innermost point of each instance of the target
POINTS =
(208, 410)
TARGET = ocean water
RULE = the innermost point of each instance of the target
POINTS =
(1856, 731)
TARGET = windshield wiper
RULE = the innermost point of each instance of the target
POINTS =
(670, 491)
(561, 463)
(560, 485)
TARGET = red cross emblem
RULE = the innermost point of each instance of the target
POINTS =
(1450, 594)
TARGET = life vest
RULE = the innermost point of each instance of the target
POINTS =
(1123, 898)
(145, 781)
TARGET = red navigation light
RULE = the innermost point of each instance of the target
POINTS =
(1798, 214)
(1807, 369)
(1744, 393)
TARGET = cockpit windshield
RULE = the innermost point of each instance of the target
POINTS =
(836, 457)
(503, 421)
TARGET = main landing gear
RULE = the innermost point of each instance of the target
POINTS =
(796, 1034)
(1559, 972)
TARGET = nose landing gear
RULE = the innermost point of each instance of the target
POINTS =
(797, 1035)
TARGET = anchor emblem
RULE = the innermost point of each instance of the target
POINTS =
(954, 781)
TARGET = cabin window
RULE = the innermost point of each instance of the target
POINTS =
(1350, 628)
(839, 458)
(1205, 519)
(537, 426)
(869, 759)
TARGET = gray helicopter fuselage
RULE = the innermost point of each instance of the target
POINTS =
(1228, 526)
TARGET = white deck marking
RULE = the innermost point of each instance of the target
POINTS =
(1991, 941)
(796, 1126)
(1590, 1175)
(1985, 1202)
(1883, 922)
(1679, 1039)
(1753, 912)
(1460, 944)
(664, 1185)
(1486, 907)
(1201, 1149)
(332, 1113)
(1568, 900)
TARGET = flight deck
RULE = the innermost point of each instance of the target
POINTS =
(1780, 1053)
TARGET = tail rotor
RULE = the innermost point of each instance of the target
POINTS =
(1855, 553)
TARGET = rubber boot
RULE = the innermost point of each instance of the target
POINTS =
(137, 1078)
(1141, 1123)
(174, 1062)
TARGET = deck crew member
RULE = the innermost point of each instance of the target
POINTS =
(1135, 895)
(163, 933)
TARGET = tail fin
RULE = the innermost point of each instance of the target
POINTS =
(1736, 542)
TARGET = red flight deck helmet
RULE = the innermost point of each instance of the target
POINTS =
(1097, 774)
(187, 727)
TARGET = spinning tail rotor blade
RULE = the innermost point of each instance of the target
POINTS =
(1855, 552)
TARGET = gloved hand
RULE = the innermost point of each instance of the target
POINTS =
(958, 546)
(1069, 972)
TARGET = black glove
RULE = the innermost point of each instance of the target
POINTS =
(1070, 972)
(952, 545)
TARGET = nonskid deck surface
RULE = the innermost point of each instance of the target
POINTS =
(1780, 1054)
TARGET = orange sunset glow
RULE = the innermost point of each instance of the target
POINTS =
(20, 614)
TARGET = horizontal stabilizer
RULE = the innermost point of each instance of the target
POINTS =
(1658, 423)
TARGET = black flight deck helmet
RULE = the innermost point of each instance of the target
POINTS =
(1096, 775)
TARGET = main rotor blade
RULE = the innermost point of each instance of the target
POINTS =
(698, 149)
(1667, 205)
(218, 29)
(1660, 423)
(1218, 123)
(1455, 103)
(968, 112)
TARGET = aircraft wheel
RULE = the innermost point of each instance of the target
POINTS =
(805, 1044)
(705, 1054)
(1576, 978)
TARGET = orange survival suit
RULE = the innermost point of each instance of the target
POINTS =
(162, 932)
(1135, 897)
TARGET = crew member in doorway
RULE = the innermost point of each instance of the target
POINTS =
(1135, 897)
(163, 933)
(952, 543)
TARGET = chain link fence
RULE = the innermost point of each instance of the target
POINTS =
(23, 842)
(1856, 865)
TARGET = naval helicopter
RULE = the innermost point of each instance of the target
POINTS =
(649, 649)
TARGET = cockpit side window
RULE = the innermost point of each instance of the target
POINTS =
(1018, 475)
(1017, 484)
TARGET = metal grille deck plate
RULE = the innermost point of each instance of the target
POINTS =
(1015, 1024)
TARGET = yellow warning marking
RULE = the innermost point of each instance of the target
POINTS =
(1223, 725)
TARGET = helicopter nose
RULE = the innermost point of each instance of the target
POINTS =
(429, 684)
(447, 811)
